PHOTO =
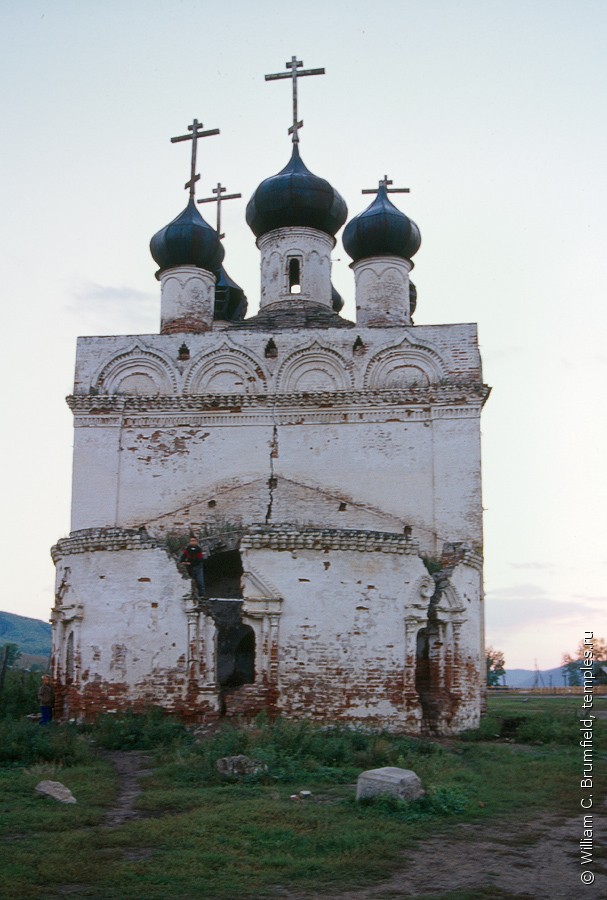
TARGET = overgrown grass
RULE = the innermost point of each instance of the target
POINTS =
(202, 835)
(23, 812)
(147, 731)
(233, 846)
(537, 719)
(25, 743)
(290, 752)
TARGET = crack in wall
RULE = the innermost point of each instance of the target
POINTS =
(272, 480)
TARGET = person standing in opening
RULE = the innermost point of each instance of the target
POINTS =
(192, 558)
(46, 698)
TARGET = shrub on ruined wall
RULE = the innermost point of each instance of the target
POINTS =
(177, 539)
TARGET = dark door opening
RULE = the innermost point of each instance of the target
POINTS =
(426, 677)
(235, 655)
(222, 574)
(235, 641)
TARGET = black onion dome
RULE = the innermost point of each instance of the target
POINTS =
(381, 230)
(230, 299)
(296, 197)
(187, 241)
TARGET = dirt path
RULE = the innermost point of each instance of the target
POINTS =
(539, 861)
(131, 766)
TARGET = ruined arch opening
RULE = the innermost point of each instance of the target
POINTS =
(427, 676)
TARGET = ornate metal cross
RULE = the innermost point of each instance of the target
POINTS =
(386, 182)
(196, 129)
(294, 74)
(219, 190)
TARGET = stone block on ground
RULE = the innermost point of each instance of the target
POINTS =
(56, 791)
(239, 765)
(403, 784)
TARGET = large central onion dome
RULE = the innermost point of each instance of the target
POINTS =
(381, 230)
(296, 197)
(187, 241)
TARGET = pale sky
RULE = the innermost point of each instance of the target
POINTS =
(491, 111)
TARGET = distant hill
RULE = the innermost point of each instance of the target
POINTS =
(32, 636)
(526, 678)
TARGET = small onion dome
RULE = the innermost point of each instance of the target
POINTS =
(337, 301)
(230, 300)
(296, 197)
(187, 241)
(381, 230)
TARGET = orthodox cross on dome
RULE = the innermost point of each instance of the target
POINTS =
(196, 129)
(386, 182)
(295, 73)
(219, 190)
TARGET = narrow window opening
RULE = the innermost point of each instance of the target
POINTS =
(294, 275)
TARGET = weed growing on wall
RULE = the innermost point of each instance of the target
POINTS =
(176, 539)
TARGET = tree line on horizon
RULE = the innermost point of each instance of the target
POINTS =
(496, 664)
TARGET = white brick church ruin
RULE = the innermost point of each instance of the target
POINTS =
(330, 469)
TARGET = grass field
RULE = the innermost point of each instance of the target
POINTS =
(202, 836)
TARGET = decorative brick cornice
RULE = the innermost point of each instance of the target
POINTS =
(283, 536)
(273, 537)
(453, 394)
(292, 537)
(89, 540)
